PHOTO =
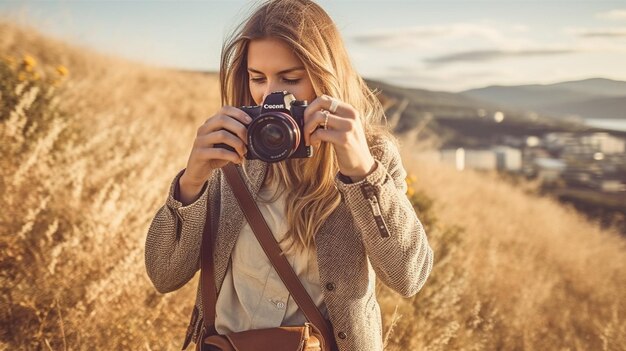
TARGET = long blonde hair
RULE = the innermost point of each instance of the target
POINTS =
(314, 38)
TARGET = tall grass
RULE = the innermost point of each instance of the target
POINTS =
(87, 161)
(79, 188)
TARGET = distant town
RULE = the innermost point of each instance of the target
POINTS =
(594, 160)
(587, 169)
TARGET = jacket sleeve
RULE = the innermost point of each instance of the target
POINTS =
(393, 236)
(172, 250)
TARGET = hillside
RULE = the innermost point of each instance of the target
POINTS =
(86, 166)
(595, 86)
(443, 119)
(530, 97)
(602, 107)
(588, 98)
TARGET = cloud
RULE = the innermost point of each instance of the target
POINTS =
(491, 55)
(423, 36)
(617, 14)
(440, 81)
(603, 33)
(396, 37)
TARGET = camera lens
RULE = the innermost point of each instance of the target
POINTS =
(274, 136)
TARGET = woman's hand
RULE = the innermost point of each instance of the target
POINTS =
(344, 131)
(227, 126)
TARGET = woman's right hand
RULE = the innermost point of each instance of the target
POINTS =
(227, 126)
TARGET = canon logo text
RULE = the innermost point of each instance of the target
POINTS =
(273, 107)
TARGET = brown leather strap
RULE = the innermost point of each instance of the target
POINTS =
(208, 290)
(274, 253)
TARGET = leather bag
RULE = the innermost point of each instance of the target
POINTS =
(314, 335)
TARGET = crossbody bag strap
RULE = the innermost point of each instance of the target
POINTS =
(208, 289)
(274, 253)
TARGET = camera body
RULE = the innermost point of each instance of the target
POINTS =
(276, 132)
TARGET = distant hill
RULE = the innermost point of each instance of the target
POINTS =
(588, 98)
(456, 118)
(425, 97)
(526, 96)
(606, 107)
(599, 86)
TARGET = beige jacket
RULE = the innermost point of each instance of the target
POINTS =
(373, 233)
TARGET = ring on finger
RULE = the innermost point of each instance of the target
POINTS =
(334, 103)
(326, 113)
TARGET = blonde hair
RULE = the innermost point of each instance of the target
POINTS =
(314, 38)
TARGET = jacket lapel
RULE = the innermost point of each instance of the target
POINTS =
(231, 218)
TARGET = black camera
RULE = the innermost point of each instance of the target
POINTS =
(276, 132)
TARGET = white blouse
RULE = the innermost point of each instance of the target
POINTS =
(252, 295)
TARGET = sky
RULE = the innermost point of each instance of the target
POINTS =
(432, 44)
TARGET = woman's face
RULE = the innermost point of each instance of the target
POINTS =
(272, 66)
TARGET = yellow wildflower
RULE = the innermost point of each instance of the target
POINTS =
(21, 76)
(36, 76)
(29, 61)
(62, 70)
(410, 179)
(410, 192)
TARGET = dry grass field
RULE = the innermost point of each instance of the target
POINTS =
(90, 144)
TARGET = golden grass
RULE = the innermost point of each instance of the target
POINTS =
(74, 222)
(79, 187)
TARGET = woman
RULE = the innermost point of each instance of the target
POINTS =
(341, 216)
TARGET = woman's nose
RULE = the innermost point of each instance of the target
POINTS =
(270, 88)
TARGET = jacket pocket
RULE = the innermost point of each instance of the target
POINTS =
(249, 258)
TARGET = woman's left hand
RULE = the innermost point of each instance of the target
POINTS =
(344, 131)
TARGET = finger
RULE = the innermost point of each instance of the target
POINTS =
(225, 122)
(225, 137)
(334, 137)
(323, 102)
(236, 113)
(209, 154)
(317, 121)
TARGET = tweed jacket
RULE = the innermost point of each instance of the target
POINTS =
(373, 233)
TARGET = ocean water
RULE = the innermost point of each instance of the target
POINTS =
(615, 124)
